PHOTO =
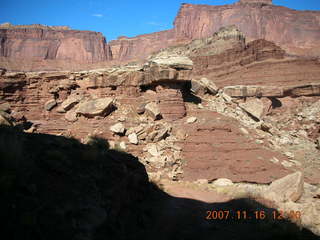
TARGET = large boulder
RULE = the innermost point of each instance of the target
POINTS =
(253, 107)
(176, 62)
(95, 107)
(153, 111)
(203, 86)
(288, 188)
(253, 91)
(312, 89)
(71, 101)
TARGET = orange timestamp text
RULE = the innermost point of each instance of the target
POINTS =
(254, 215)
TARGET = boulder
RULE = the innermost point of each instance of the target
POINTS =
(49, 105)
(133, 138)
(118, 128)
(95, 107)
(221, 182)
(254, 108)
(288, 188)
(209, 85)
(123, 145)
(71, 101)
(312, 89)
(141, 108)
(71, 116)
(161, 134)
(176, 62)
(203, 86)
(152, 110)
(197, 88)
(158, 134)
(253, 91)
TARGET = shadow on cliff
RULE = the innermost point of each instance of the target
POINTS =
(53, 187)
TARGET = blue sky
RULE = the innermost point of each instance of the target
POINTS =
(112, 17)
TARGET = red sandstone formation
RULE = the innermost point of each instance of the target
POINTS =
(39, 43)
(297, 32)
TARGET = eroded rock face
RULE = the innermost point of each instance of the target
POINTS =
(53, 44)
(291, 22)
(296, 31)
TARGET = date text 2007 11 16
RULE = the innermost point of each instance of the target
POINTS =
(256, 215)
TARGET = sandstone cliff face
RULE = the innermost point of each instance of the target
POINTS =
(284, 26)
(296, 31)
(47, 44)
(141, 46)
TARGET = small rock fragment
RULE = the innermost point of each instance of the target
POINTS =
(123, 145)
(202, 181)
(118, 128)
(153, 150)
(289, 155)
(244, 131)
(71, 116)
(133, 138)
(141, 108)
(49, 105)
(191, 119)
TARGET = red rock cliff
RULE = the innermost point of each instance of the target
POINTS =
(53, 44)
(288, 28)
(296, 31)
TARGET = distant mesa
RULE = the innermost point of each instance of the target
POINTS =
(255, 1)
(37, 26)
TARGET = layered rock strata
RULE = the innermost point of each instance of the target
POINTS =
(38, 43)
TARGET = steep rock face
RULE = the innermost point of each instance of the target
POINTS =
(140, 47)
(226, 59)
(53, 44)
(286, 27)
(297, 31)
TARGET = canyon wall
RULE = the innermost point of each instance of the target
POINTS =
(296, 31)
(38, 43)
